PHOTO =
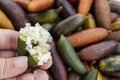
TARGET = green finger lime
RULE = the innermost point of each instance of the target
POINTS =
(34, 42)
(90, 22)
(21, 46)
(32, 61)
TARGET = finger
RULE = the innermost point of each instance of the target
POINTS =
(27, 76)
(47, 65)
(8, 39)
(40, 75)
(14, 78)
(7, 54)
(12, 66)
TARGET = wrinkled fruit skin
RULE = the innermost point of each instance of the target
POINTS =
(97, 51)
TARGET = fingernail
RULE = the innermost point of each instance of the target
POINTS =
(35, 73)
(40, 75)
(27, 76)
(21, 62)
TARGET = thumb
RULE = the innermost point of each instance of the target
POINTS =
(12, 66)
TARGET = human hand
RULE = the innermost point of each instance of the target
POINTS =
(12, 67)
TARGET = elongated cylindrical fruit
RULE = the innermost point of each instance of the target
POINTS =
(58, 69)
(116, 25)
(102, 13)
(87, 37)
(97, 51)
(109, 64)
(68, 25)
(15, 13)
(68, 54)
(5, 22)
(68, 10)
(48, 26)
(40, 5)
(117, 50)
(47, 16)
(99, 76)
(73, 76)
(114, 16)
(90, 22)
(23, 3)
(84, 6)
(115, 5)
(92, 75)
(114, 36)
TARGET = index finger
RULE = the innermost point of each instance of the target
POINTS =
(8, 39)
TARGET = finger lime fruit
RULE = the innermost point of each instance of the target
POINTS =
(68, 25)
(15, 13)
(21, 46)
(90, 22)
(98, 51)
(34, 42)
(47, 16)
(102, 13)
(68, 54)
(92, 75)
(109, 64)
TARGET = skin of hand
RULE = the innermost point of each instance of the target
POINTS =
(13, 67)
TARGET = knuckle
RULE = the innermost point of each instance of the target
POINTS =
(4, 68)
